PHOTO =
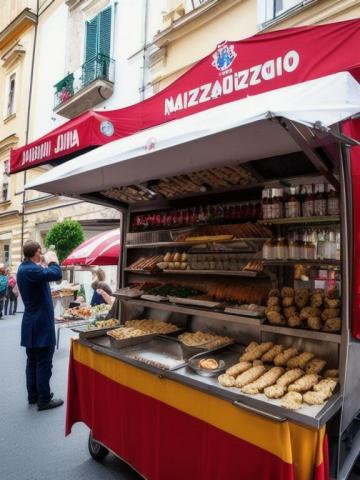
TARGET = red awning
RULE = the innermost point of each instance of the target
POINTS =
(235, 70)
(103, 249)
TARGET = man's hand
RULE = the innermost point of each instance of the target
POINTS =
(50, 257)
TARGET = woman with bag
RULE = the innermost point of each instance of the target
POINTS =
(11, 294)
(3, 287)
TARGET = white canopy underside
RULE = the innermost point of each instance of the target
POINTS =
(234, 132)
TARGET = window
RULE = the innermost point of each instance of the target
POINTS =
(11, 95)
(271, 9)
(97, 46)
(5, 182)
(6, 254)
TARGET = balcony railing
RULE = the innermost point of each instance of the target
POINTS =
(100, 67)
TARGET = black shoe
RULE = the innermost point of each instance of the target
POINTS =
(35, 400)
(57, 402)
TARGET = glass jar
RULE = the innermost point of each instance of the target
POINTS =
(282, 250)
(268, 250)
(308, 201)
(294, 252)
(292, 205)
(333, 202)
(320, 203)
(277, 207)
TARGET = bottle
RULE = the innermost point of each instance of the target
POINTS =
(265, 209)
(320, 203)
(282, 251)
(308, 201)
(333, 202)
(293, 204)
(278, 204)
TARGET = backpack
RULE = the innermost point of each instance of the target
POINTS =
(3, 284)
(11, 281)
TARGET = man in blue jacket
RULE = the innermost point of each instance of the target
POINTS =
(38, 328)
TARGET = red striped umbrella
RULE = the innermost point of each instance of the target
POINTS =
(103, 249)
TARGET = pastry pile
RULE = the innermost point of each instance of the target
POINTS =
(152, 326)
(281, 372)
(202, 339)
(304, 308)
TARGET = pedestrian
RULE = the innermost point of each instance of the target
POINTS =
(99, 282)
(3, 287)
(11, 294)
(38, 327)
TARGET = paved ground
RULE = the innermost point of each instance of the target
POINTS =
(32, 443)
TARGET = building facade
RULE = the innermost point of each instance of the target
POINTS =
(60, 58)
(193, 28)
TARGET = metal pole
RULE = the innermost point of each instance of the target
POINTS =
(28, 122)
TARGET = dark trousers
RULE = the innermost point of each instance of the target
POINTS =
(10, 298)
(38, 373)
(2, 298)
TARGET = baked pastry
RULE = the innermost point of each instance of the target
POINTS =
(251, 346)
(274, 292)
(326, 385)
(275, 318)
(316, 300)
(226, 380)
(256, 353)
(289, 377)
(332, 325)
(315, 365)
(314, 323)
(332, 373)
(300, 360)
(287, 292)
(330, 313)
(275, 308)
(304, 383)
(266, 380)
(288, 301)
(273, 301)
(238, 368)
(301, 297)
(275, 391)
(282, 358)
(249, 376)
(257, 362)
(269, 356)
(209, 363)
(294, 321)
(332, 302)
(289, 311)
(307, 312)
(292, 401)
(314, 398)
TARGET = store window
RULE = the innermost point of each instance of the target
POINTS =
(5, 182)
(271, 9)
(11, 95)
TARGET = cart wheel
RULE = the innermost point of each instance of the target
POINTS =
(97, 451)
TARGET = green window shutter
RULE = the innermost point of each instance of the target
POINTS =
(105, 32)
(92, 29)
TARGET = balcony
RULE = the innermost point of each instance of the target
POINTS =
(88, 86)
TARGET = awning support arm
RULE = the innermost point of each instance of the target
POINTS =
(314, 158)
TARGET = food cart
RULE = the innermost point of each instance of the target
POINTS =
(240, 235)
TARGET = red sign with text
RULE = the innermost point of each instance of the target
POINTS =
(233, 71)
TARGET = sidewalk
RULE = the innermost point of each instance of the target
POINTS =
(32, 443)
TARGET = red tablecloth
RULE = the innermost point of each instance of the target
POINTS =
(167, 430)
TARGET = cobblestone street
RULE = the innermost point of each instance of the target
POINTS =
(32, 443)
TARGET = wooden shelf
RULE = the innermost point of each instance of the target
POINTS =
(223, 273)
(191, 244)
(280, 263)
(302, 333)
(300, 220)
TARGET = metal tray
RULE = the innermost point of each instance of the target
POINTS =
(244, 312)
(126, 342)
(154, 298)
(83, 331)
(159, 352)
(193, 301)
